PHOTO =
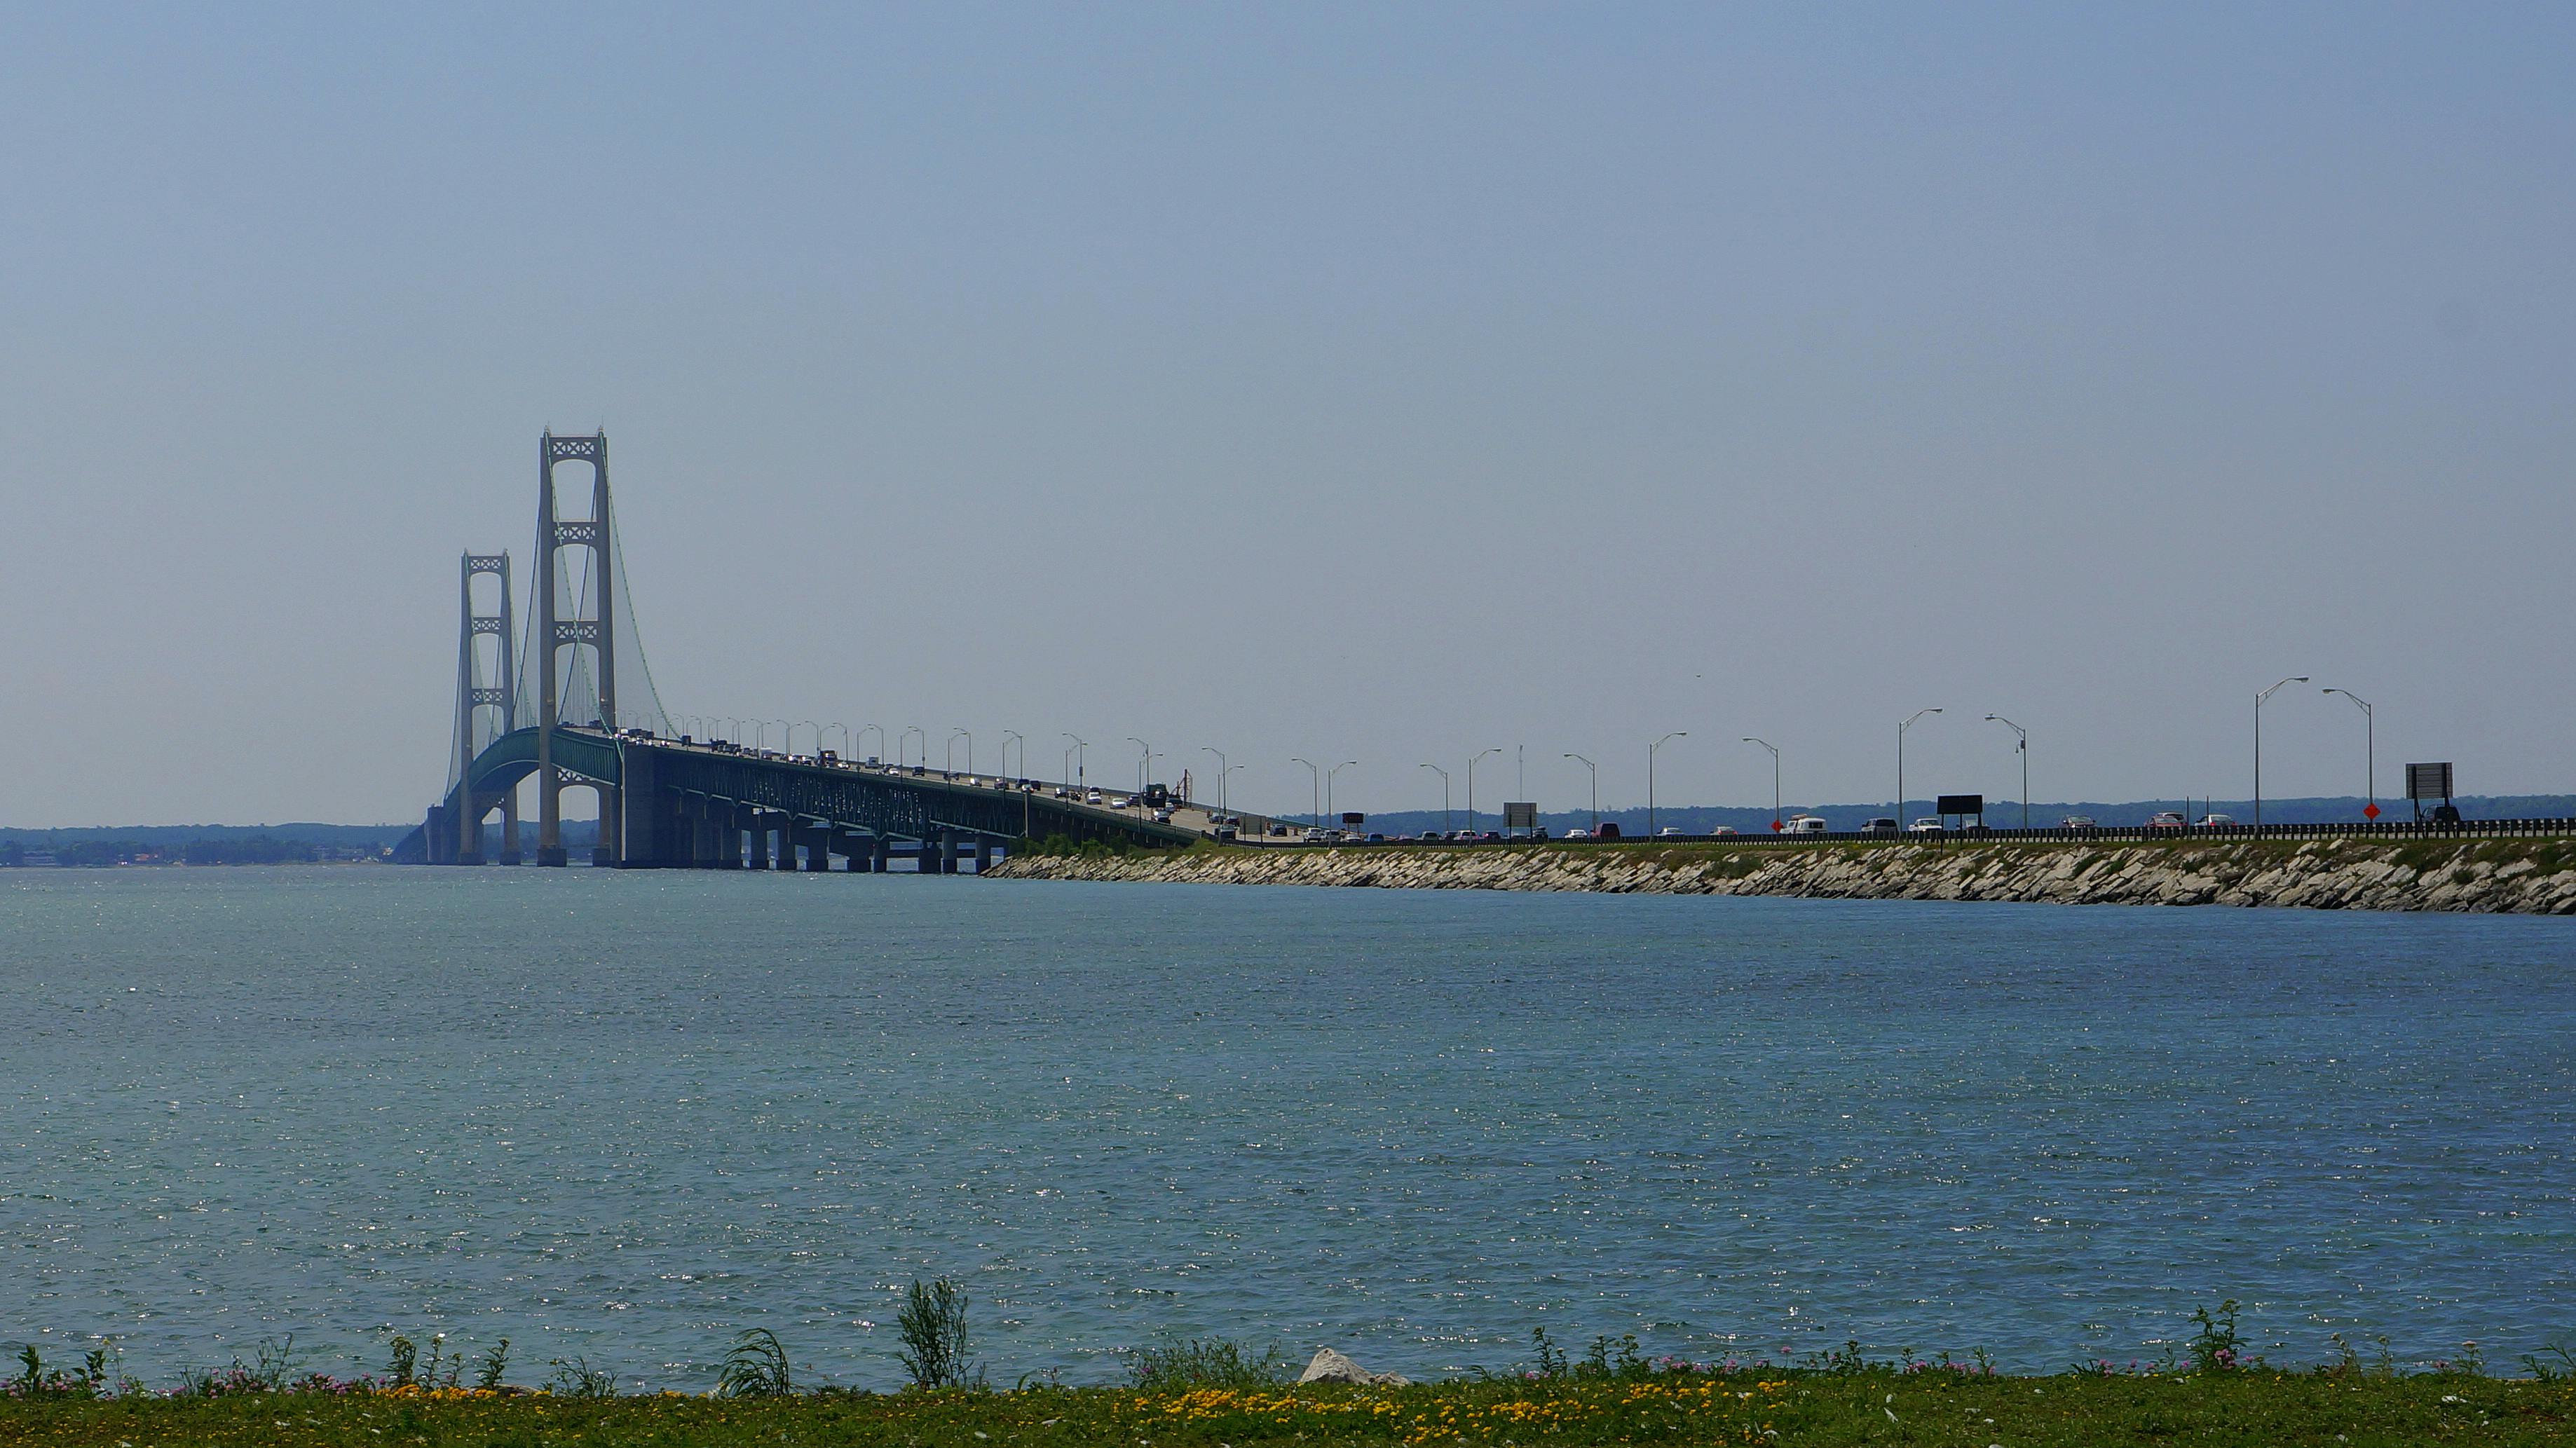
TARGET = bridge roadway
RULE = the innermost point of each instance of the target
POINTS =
(709, 806)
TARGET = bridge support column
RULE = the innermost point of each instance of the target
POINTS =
(702, 838)
(818, 848)
(728, 833)
(880, 854)
(983, 853)
(758, 829)
(948, 852)
(510, 826)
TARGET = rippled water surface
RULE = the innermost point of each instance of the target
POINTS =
(626, 1115)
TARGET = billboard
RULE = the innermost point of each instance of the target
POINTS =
(2428, 781)
(1961, 804)
(1353, 817)
(1520, 815)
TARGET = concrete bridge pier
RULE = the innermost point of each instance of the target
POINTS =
(702, 837)
(758, 829)
(948, 852)
(983, 853)
(880, 854)
(817, 840)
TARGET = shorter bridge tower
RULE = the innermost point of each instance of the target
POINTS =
(559, 595)
(476, 692)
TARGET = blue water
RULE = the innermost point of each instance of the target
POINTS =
(626, 1115)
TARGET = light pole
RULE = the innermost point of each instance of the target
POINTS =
(863, 733)
(1900, 762)
(1144, 768)
(809, 724)
(905, 737)
(952, 751)
(845, 738)
(1008, 736)
(2258, 746)
(1445, 820)
(1314, 788)
(760, 735)
(1328, 784)
(1650, 774)
(2024, 748)
(1775, 780)
(1471, 786)
(2370, 753)
(1072, 769)
(1596, 792)
(1222, 770)
(786, 737)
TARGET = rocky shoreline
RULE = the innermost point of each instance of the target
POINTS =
(2515, 875)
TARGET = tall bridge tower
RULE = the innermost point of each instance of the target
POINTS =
(560, 597)
(477, 691)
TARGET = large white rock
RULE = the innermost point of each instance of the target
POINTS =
(1331, 1367)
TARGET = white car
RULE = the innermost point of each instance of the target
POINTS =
(2212, 821)
(1092, 798)
(1804, 825)
(1578, 834)
(1669, 830)
(1312, 836)
(1929, 827)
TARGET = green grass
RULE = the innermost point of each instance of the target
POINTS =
(1870, 1406)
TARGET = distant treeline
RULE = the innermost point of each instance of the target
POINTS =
(252, 849)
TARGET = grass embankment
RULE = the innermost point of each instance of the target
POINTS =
(1879, 1407)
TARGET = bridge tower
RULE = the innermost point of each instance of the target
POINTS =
(559, 591)
(473, 695)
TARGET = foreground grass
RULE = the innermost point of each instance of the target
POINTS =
(2343, 1410)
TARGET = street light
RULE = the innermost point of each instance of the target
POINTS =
(1650, 774)
(910, 730)
(1222, 769)
(1144, 768)
(1471, 786)
(1596, 793)
(863, 733)
(845, 738)
(1445, 821)
(1900, 761)
(1074, 767)
(1314, 788)
(2024, 748)
(810, 724)
(2258, 746)
(1775, 780)
(2370, 752)
(1007, 736)
(1328, 783)
(952, 750)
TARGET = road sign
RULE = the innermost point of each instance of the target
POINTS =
(2428, 781)
(1520, 815)
(1961, 804)
(1776, 827)
(2370, 811)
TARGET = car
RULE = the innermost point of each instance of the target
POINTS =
(2077, 822)
(1606, 830)
(1092, 798)
(1578, 834)
(2164, 819)
(1162, 816)
(1805, 824)
(1377, 839)
(1312, 836)
(1882, 825)
(1722, 830)
(1118, 802)
(1223, 832)
(2213, 821)
(1669, 831)
(1063, 793)
(1928, 827)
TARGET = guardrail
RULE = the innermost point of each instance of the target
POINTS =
(2371, 830)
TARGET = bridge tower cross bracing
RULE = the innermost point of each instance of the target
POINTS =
(555, 537)
(474, 694)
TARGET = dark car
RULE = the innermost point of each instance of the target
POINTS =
(1606, 830)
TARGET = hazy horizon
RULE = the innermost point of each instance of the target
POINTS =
(1336, 382)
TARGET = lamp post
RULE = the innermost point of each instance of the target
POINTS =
(809, 724)
(1073, 754)
(1328, 785)
(1144, 768)
(1900, 762)
(905, 737)
(1471, 786)
(1650, 774)
(863, 733)
(952, 751)
(1222, 770)
(760, 735)
(1775, 780)
(2370, 753)
(1009, 736)
(1445, 820)
(2258, 746)
(845, 738)
(1596, 791)
(786, 737)
(2024, 748)
(1315, 789)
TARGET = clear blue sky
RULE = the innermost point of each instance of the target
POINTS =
(1372, 383)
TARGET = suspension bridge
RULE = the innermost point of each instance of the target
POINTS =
(569, 700)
